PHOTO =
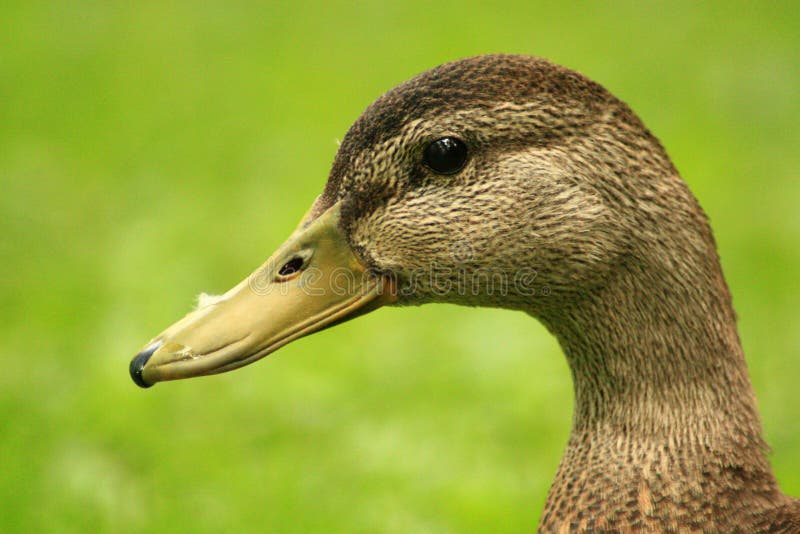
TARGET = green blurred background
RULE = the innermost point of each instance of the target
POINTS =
(153, 150)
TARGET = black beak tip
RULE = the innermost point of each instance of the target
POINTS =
(138, 363)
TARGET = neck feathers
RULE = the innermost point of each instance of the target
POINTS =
(666, 430)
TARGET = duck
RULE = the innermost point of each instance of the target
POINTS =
(509, 181)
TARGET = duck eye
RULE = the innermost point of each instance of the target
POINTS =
(446, 155)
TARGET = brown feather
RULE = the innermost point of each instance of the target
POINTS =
(570, 209)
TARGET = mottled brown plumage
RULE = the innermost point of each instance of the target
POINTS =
(570, 209)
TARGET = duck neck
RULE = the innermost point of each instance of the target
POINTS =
(664, 408)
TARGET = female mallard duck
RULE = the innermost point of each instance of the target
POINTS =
(575, 214)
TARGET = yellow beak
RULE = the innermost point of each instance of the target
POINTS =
(313, 281)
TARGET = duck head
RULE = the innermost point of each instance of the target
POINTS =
(502, 181)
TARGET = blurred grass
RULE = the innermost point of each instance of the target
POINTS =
(154, 150)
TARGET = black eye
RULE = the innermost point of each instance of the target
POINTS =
(446, 155)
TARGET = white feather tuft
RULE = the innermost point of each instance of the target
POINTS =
(204, 299)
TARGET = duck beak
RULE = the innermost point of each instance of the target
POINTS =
(313, 281)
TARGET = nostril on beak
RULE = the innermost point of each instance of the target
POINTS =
(138, 363)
